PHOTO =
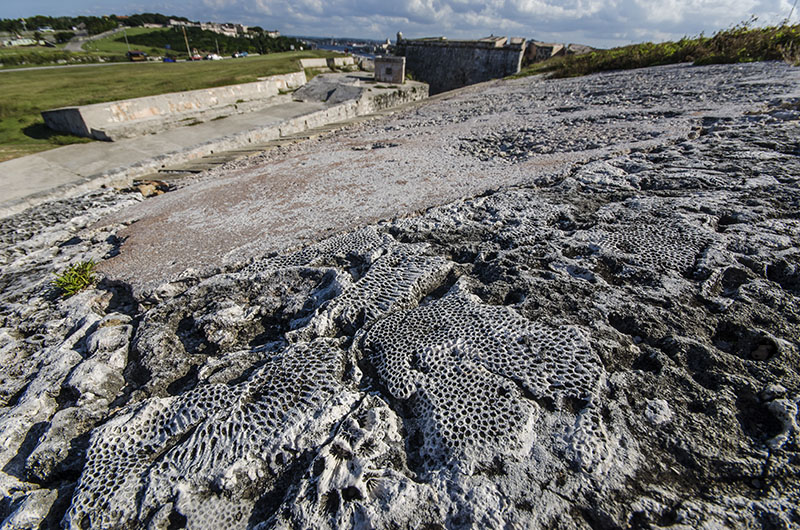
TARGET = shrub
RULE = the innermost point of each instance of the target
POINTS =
(741, 43)
(64, 36)
(48, 56)
(75, 278)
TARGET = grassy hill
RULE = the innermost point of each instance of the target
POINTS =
(25, 56)
(170, 41)
(115, 44)
(742, 43)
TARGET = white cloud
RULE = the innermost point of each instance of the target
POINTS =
(595, 22)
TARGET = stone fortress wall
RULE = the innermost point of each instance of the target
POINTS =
(447, 65)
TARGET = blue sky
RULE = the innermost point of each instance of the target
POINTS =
(600, 23)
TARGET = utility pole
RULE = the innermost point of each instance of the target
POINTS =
(217, 42)
(186, 40)
(125, 33)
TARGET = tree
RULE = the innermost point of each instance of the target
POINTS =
(11, 25)
(64, 36)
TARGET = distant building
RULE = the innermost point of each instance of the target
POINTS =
(273, 33)
(173, 22)
(541, 51)
(217, 28)
(227, 29)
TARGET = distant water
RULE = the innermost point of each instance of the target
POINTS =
(350, 49)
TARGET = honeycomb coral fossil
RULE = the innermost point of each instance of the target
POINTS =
(214, 451)
(471, 373)
(365, 242)
(661, 247)
(640, 236)
(397, 280)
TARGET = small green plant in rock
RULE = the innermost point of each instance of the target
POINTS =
(75, 278)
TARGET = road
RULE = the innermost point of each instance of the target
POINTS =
(76, 44)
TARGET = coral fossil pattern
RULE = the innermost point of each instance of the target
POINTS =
(647, 241)
(214, 451)
(469, 368)
(214, 455)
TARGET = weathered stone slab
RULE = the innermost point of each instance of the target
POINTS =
(390, 69)
(314, 63)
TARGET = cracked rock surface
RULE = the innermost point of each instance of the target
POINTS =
(614, 347)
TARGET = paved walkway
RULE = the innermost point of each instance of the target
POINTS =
(76, 44)
(35, 178)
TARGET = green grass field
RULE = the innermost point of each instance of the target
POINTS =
(112, 45)
(28, 56)
(28, 92)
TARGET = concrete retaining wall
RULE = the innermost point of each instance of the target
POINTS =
(314, 63)
(339, 62)
(289, 81)
(360, 88)
(135, 117)
(366, 64)
(446, 65)
(331, 62)
(381, 99)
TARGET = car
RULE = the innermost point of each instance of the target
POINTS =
(212, 57)
(169, 59)
(196, 57)
(239, 54)
(136, 56)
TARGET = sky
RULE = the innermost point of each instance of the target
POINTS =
(600, 23)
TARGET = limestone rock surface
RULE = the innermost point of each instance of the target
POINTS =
(613, 346)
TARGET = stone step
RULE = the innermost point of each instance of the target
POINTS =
(188, 168)
(221, 158)
(170, 177)
(193, 167)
